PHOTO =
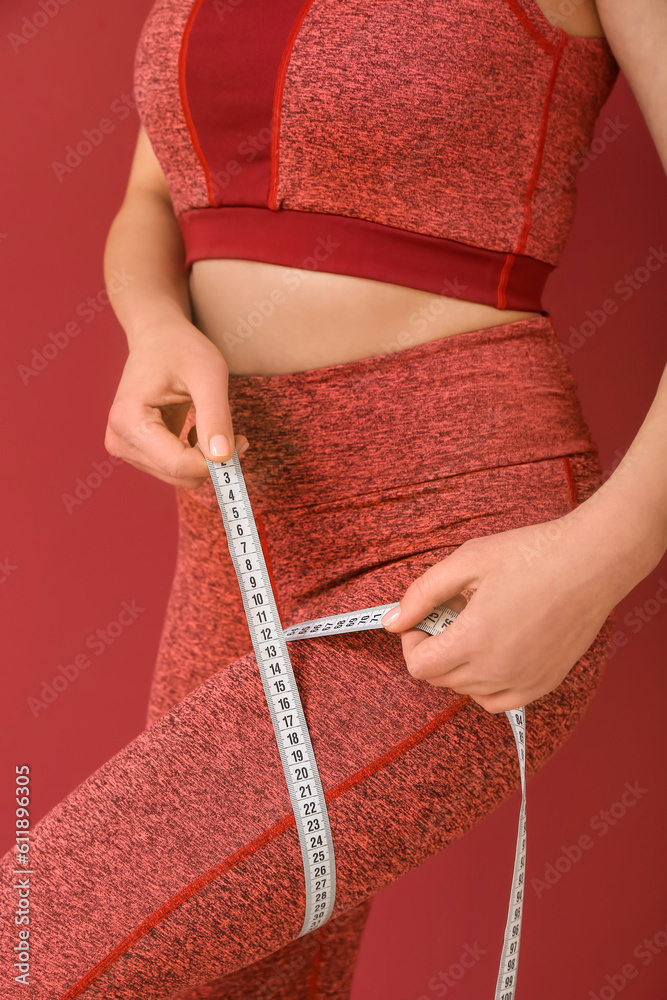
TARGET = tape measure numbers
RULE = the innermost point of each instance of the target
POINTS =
(282, 695)
(269, 642)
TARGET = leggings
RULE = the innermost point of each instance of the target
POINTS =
(175, 871)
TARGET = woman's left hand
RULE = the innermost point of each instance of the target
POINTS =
(541, 594)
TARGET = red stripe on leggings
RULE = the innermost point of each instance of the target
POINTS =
(315, 974)
(254, 845)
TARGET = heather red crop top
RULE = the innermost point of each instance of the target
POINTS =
(427, 143)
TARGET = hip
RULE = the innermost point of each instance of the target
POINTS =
(382, 465)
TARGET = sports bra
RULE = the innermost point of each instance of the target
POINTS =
(427, 143)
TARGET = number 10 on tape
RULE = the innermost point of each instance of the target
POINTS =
(282, 695)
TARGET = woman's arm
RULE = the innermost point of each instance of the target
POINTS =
(145, 241)
(631, 507)
(171, 364)
(637, 34)
(628, 513)
(542, 592)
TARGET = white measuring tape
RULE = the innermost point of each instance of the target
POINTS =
(269, 641)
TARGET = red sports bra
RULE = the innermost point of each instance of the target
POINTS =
(427, 143)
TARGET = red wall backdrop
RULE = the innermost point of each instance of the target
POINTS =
(66, 573)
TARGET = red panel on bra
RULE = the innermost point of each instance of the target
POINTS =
(231, 66)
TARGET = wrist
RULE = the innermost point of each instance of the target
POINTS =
(628, 545)
(158, 325)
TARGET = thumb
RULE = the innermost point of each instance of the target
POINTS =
(213, 419)
(442, 583)
(241, 442)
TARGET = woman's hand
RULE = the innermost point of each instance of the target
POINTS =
(169, 367)
(541, 594)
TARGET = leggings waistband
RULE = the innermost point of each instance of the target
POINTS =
(486, 398)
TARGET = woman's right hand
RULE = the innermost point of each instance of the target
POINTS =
(169, 367)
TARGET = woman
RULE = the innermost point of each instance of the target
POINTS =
(357, 297)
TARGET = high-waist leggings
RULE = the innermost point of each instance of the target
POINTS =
(175, 871)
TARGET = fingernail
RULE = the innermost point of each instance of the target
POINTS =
(244, 447)
(390, 616)
(219, 445)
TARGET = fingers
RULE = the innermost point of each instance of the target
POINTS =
(151, 406)
(458, 658)
(441, 659)
(150, 447)
(437, 585)
(241, 442)
(208, 387)
(174, 415)
(152, 470)
(441, 663)
(502, 701)
(137, 433)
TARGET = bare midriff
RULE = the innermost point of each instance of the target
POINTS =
(267, 319)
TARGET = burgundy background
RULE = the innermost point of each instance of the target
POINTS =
(73, 570)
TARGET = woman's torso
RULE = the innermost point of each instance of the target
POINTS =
(269, 319)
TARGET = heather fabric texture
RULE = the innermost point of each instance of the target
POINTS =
(156, 92)
(460, 119)
(174, 871)
(433, 115)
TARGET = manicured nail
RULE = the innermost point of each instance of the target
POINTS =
(219, 445)
(390, 616)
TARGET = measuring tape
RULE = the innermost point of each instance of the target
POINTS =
(269, 641)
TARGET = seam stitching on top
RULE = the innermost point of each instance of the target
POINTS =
(541, 143)
(277, 102)
(530, 28)
(182, 55)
